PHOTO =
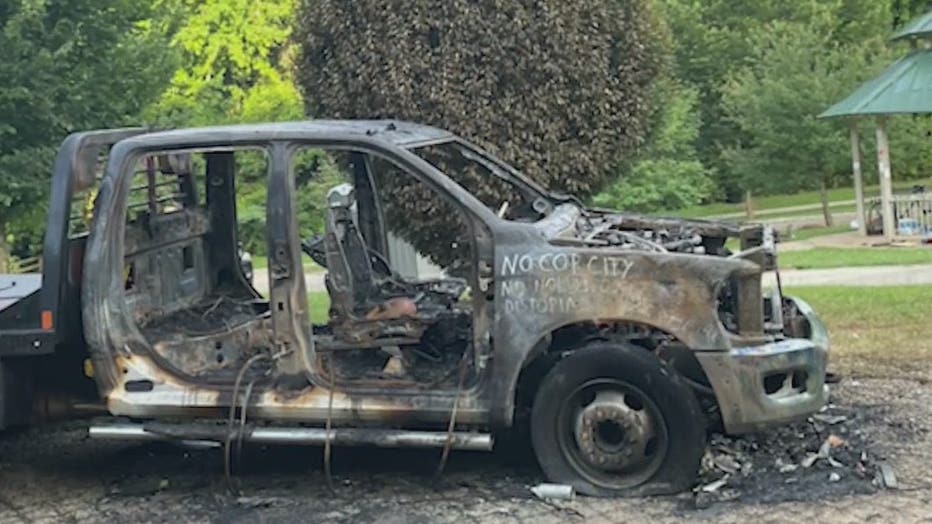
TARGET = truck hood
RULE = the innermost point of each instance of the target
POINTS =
(571, 224)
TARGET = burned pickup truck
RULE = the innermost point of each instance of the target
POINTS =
(614, 339)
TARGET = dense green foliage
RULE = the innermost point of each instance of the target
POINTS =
(784, 145)
(559, 89)
(765, 68)
(667, 173)
(646, 104)
(234, 63)
(235, 69)
(716, 39)
(66, 65)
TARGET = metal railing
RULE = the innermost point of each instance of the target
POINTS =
(18, 266)
(912, 213)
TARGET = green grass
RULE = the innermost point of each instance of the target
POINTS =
(761, 214)
(833, 208)
(262, 262)
(876, 331)
(822, 258)
(734, 244)
(765, 203)
(318, 304)
(813, 232)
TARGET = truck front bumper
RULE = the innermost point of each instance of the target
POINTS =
(775, 383)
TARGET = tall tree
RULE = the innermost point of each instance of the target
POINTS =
(712, 39)
(797, 71)
(234, 65)
(560, 89)
(67, 65)
(666, 174)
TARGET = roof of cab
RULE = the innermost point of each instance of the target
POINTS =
(397, 132)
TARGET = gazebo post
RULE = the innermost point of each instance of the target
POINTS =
(886, 180)
(858, 179)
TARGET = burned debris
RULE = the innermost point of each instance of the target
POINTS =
(826, 455)
(662, 235)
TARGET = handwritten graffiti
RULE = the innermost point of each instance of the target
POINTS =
(552, 283)
(572, 263)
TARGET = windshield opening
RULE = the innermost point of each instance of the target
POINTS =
(506, 194)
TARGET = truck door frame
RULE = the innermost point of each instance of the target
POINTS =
(287, 288)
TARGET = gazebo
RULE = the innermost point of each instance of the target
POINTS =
(905, 87)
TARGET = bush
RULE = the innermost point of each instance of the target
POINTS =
(667, 174)
(559, 89)
(658, 184)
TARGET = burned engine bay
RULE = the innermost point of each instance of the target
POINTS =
(571, 225)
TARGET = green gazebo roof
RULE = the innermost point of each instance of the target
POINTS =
(904, 87)
(918, 28)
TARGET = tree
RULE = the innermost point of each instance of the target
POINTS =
(905, 10)
(712, 40)
(234, 68)
(797, 73)
(234, 63)
(559, 89)
(67, 65)
(667, 173)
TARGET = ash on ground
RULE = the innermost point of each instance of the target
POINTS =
(826, 455)
(55, 474)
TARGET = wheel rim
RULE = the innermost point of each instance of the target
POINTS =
(612, 433)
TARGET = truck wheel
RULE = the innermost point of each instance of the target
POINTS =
(611, 420)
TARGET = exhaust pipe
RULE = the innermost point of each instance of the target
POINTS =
(300, 436)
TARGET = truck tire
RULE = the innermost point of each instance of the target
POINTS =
(16, 392)
(611, 419)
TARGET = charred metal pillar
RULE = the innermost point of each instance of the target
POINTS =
(287, 289)
(369, 207)
(221, 202)
(750, 306)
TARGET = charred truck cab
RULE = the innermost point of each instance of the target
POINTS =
(615, 338)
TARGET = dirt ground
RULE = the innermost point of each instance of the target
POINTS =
(55, 474)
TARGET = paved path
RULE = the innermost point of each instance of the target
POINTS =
(920, 274)
(761, 214)
(314, 280)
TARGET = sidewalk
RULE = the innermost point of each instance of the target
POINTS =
(855, 276)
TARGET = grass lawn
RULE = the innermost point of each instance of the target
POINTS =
(813, 232)
(820, 258)
(262, 262)
(318, 304)
(876, 331)
(799, 199)
(771, 216)
(800, 234)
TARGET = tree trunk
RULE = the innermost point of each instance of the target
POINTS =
(749, 204)
(4, 252)
(826, 211)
